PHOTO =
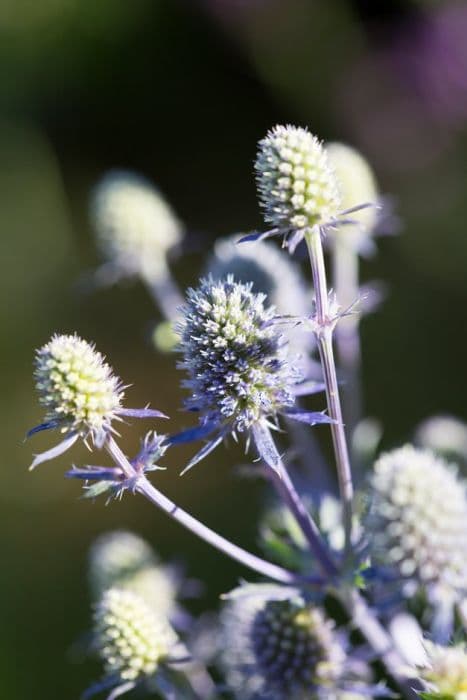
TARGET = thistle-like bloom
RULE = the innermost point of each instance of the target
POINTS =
(272, 272)
(125, 561)
(80, 393)
(417, 521)
(277, 645)
(240, 374)
(296, 184)
(356, 184)
(131, 639)
(135, 227)
(446, 671)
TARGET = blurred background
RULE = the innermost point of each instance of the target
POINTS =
(181, 91)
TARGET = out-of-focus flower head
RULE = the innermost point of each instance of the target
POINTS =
(446, 435)
(417, 521)
(134, 225)
(356, 185)
(446, 671)
(121, 559)
(131, 639)
(277, 645)
(240, 374)
(80, 393)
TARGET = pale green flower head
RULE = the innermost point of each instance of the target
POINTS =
(130, 637)
(76, 386)
(123, 560)
(357, 185)
(297, 186)
(446, 671)
(417, 522)
(134, 225)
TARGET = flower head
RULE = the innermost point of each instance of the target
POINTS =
(271, 272)
(296, 184)
(80, 393)
(356, 185)
(278, 645)
(132, 640)
(418, 519)
(135, 226)
(239, 371)
(123, 560)
(446, 670)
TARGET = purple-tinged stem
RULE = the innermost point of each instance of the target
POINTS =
(324, 340)
(251, 561)
(286, 490)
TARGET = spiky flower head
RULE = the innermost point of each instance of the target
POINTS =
(356, 185)
(235, 357)
(271, 272)
(296, 184)
(278, 645)
(446, 671)
(135, 226)
(444, 434)
(76, 386)
(130, 637)
(123, 560)
(418, 518)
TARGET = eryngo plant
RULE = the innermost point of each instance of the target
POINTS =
(287, 637)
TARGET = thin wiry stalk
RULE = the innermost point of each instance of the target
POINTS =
(165, 293)
(251, 561)
(324, 339)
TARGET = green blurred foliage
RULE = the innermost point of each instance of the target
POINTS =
(181, 91)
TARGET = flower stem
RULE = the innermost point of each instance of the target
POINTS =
(324, 339)
(251, 561)
(285, 488)
(164, 292)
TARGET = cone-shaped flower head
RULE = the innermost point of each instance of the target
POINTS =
(296, 184)
(446, 671)
(356, 185)
(76, 386)
(444, 434)
(418, 518)
(279, 646)
(80, 393)
(123, 560)
(235, 357)
(131, 639)
(135, 226)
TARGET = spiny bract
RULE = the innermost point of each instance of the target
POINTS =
(297, 187)
(135, 226)
(76, 386)
(130, 638)
(235, 357)
(418, 518)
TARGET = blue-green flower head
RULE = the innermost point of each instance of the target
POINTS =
(134, 225)
(235, 357)
(296, 184)
(278, 645)
(240, 372)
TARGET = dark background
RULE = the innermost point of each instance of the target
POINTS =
(182, 91)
